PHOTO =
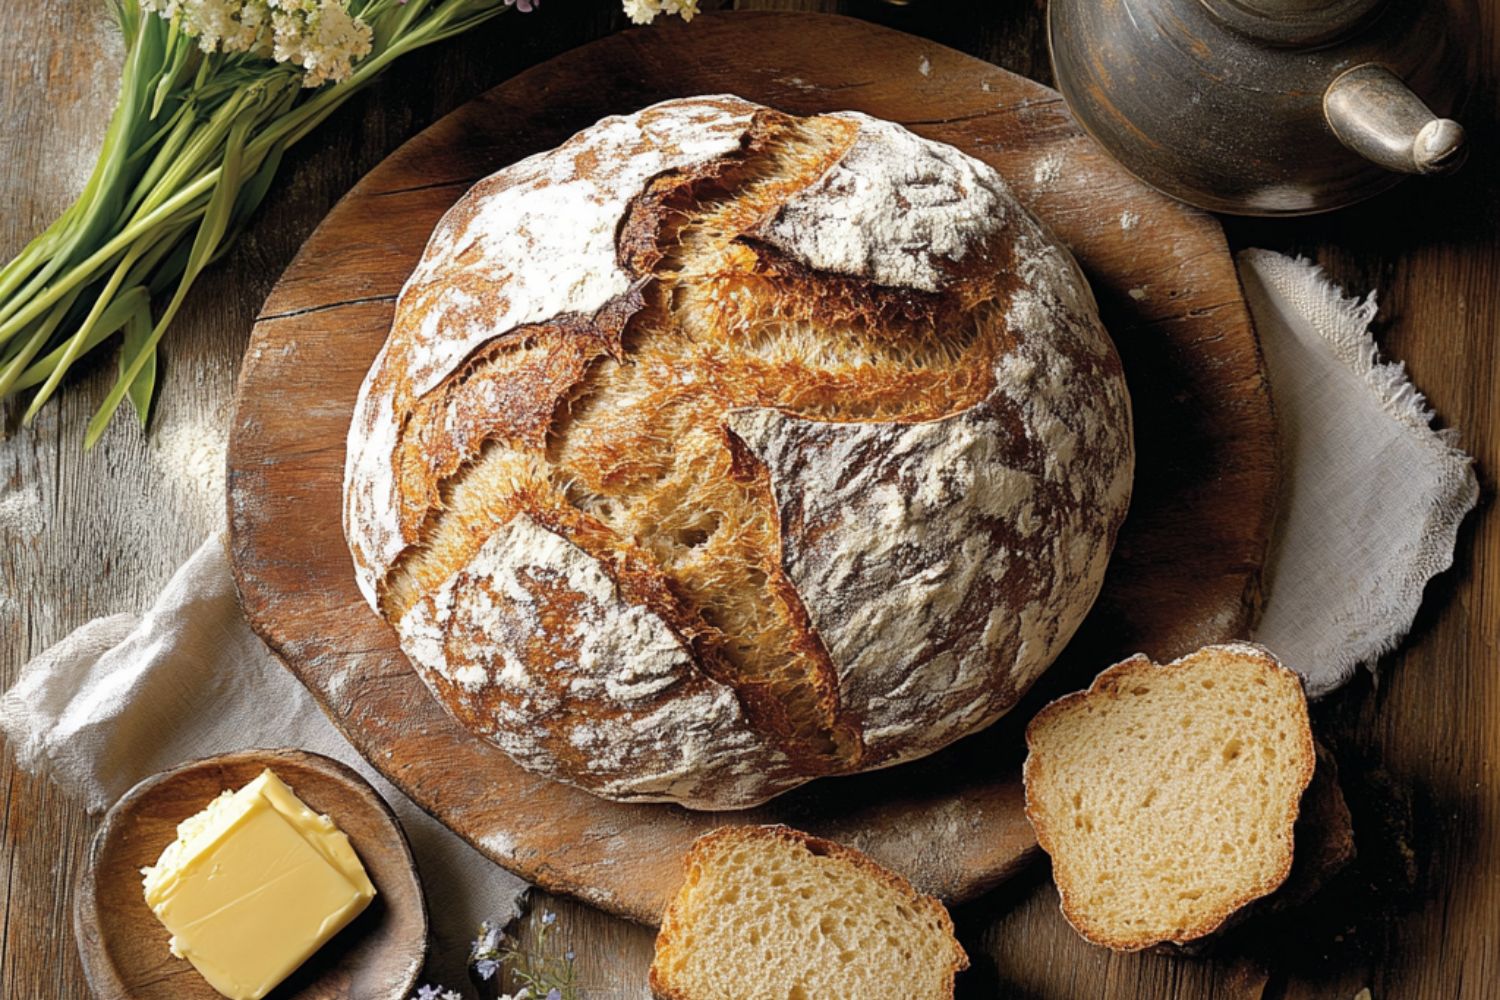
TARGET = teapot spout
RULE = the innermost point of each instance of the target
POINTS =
(1376, 115)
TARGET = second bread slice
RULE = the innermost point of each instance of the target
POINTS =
(768, 913)
(1166, 795)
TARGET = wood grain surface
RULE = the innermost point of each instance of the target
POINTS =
(1186, 562)
(124, 946)
(101, 532)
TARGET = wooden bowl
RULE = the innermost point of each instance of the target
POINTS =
(124, 947)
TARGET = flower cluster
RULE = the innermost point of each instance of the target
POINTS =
(320, 36)
(645, 11)
(438, 993)
(539, 974)
(487, 952)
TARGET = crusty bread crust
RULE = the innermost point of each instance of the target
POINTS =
(1111, 684)
(673, 923)
(717, 450)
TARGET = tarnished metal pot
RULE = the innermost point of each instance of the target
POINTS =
(1267, 107)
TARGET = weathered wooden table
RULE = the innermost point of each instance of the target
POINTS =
(83, 535)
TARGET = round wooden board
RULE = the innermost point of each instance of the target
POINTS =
(124, 947)
(1185, 570)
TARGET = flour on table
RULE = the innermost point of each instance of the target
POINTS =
(499, 844)
(1129, 220)
(1048, 169)
(21, 516)
(925, 66)
(192, 455)
(21, 511)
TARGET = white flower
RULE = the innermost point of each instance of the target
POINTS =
(320, 36)
(219, 25)
(642, 11)
(645, 11)
(686, 9)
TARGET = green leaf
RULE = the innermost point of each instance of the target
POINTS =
(143, 386)
(205, 244)
(26, 294)
(251, 195)
(77, 341)
(41, 333)
(119, 312)
(178, 52)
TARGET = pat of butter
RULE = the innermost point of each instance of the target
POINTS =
(253, 885)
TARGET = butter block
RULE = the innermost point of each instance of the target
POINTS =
(253, 885)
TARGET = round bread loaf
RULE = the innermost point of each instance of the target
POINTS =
(718, 449)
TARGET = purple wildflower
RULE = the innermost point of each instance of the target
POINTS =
(487, 943)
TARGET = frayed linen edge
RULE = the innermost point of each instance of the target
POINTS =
(1458, 488)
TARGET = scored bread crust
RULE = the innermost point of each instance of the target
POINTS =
(673, 924)
(686, 728)
(930, 566)
(918, 557)
(540, 239)
(1108, 684)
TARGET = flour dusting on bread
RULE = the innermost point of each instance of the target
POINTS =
(537, 241)
(658, 725)
(896, 209)
(717, 450)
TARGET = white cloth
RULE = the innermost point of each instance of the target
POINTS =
(1371, 495)
(1372, 500)
(124, 697)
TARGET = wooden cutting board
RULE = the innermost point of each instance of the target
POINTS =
(1185, 570)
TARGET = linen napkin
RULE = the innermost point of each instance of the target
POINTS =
(126, 696)
(1372, 501)
(1371, 496)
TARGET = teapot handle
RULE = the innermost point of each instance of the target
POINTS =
(1375, 114)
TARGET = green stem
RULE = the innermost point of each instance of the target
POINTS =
(114, 317)
(194, 143)
(38, 339)
(96, 208)
(75, 343)
(288, 130)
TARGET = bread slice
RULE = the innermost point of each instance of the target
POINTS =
(768, 913)
(1166, 796)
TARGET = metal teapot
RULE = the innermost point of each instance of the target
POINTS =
(1267, 107)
